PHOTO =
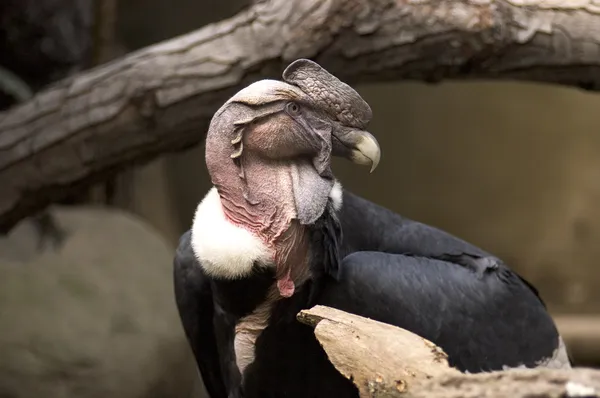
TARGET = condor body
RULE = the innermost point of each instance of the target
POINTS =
(277, 233)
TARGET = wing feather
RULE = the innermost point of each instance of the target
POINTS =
(484, 322)
(194, 302)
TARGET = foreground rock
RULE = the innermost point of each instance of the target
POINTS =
(93, 316)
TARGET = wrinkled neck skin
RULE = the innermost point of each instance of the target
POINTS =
(263, 204)
(247, 222)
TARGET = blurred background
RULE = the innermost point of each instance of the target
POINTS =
(513, 168)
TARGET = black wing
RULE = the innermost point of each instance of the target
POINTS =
(194, 301)
(482, 321)
(367, 226)
(439, 286)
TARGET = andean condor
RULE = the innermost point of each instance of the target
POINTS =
(277, 234)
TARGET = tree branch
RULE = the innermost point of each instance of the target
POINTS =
(162, 98)
(387, 361)
(380, 359)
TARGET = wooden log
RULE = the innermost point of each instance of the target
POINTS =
(514, 383)
(161, 99)
(380, 359)
(387, 361)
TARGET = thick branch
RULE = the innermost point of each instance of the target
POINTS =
(162, 98)
(380, 359)
(386, 361)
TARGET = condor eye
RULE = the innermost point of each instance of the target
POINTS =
(293, 108)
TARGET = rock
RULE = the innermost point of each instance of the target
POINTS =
(94, 316)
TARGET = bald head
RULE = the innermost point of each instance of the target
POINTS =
(268, 152)
(311, 112)
(292, 126)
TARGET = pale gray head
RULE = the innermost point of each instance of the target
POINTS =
(269, 148)
(295, 126)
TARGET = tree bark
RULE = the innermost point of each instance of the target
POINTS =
(387, 361)
(161, 98)
(380, 359)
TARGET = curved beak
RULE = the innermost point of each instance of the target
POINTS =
(359, 146)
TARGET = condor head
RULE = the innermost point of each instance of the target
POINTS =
(268, 153)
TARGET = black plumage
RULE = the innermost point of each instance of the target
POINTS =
(369, 261)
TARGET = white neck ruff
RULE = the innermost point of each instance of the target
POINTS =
(228, 251)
